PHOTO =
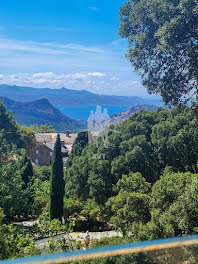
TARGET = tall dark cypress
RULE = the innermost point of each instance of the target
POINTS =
(57, 183)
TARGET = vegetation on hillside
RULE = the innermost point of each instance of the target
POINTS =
(41, 112)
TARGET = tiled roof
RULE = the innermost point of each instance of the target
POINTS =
(41, 138)
(51, 145)
(51, 137)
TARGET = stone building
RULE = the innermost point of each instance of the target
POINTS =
(42, 153)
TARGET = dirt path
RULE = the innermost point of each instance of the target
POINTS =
(41, 243)
(78, 236)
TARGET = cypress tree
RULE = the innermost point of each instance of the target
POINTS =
(57, 183)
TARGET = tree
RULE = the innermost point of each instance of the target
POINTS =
(100, 181)
(42, 129)
(25, 166)
(44, 173)
(131, 204)
(14, 244)
(181, 218)
(163, 46)
(79, 144)
(57, 183)
(167, 190)
(77, 178)
(14, 198)
(147, 143)
(12, 136)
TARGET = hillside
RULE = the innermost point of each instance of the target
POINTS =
(120, 117)
(41, 112)
(67, 97)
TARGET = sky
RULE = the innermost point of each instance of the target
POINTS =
(65, 43)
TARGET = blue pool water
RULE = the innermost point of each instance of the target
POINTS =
(83, 112)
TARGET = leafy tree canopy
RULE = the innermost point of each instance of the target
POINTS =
(42, 129)
(163, 45)
(147, 143)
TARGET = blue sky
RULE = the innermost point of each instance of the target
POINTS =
(65, 43)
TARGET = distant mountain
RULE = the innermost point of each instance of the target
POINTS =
(41, 112)
(120, 117)
(67, 97)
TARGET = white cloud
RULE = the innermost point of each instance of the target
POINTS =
(45, 48)
(82, 48)
(96, 82)
(30, 47)
(96, 74)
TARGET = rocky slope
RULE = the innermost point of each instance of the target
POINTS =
(41, 112)
(120, 117)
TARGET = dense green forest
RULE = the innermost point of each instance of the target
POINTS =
(144, 184)
(147, 182)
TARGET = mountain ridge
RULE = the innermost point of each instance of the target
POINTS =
(41, 112)
(68, 97)
(121, 116)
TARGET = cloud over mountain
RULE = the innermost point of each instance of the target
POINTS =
(91, 81)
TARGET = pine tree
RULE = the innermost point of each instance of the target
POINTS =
(57, 183)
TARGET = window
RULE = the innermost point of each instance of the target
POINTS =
(36, 161)
(51, 154)
(37, 152)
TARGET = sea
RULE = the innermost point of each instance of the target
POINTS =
(83, 112)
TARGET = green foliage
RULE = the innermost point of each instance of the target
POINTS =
(149, 169)
(125, 259)
(175, 197)
(43, 173)
(148, 143)
(14, 199)
(25, 166)
(60, 245)
(46, 228)
(42, 129)
(145, 182)
(131, 204)
(172, 207)
(79, 144)
(170, 186)
(163, 46)
(134, 182)
(41, 197)
(17, 190)
(57, 183)
(100, 181)
(9, 126)
(12, 137)
(76, 178)
(71, 207)
(13, 243)
(22, 192)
